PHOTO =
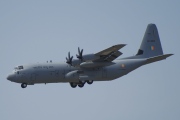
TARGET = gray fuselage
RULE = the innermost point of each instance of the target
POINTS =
(62, 72)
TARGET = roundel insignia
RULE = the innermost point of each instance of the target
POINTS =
(152, 47)
(122, 65)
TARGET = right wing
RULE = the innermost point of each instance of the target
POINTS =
(109, 54)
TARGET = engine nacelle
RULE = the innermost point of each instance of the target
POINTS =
(76, 62)
(90, 57)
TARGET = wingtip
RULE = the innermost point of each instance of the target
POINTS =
(121, 45)
(124, 44)
(170, 54)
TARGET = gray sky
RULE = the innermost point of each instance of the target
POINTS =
(39, 30)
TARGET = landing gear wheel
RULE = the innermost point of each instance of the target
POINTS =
(90, 81)
(23, 85)
(73, 85)
(81, 85)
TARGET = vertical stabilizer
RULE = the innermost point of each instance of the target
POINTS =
(151, 45)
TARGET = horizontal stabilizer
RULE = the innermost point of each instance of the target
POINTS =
(157, 58)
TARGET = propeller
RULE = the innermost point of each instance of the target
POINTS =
(69, 59)
(79, 55)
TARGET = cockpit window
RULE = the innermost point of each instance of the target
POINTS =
(18, 67)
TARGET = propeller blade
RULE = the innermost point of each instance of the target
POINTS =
(81, 52)
(69, 59)
(78, 50)
(79, 55)
(69, 55)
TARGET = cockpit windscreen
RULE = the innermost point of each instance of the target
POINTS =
(18, 67)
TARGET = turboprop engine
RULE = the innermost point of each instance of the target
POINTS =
(88, 57)
(81, 58)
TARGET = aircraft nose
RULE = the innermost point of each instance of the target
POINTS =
(10, 77)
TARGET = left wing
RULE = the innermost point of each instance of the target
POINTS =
(109, 54)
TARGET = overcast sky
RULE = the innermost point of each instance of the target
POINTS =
(34, 31)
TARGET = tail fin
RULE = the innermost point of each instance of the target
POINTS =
(151, 45)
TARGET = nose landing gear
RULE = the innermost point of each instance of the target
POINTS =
(23, 85)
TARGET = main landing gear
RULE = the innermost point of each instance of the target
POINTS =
(80, 84)
(90, 82)
(23, 85)
(73, 85)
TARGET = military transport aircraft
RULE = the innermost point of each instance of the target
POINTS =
(100, 66)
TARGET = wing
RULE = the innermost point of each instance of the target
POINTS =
(109, 54)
